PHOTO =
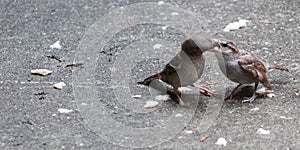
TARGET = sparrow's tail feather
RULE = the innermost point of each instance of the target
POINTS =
(148, 80)
(278, 67)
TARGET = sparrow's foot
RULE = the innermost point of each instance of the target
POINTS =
(228, 97)
(205, 91)
(184, 104)
(249, 99)
(181, 102)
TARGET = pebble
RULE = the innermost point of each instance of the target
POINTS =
(64, 111)
(254, 109)
(162, 97)
(151, 104)
(178, 115)
(42, 72)
(284, 117)
(56, 45)
(271, 95)
(157, 46)
(164, 27)
(221, 141)
(174, 13)
(263, 131)
(236, 25)
(136, 96)
(160, 3)
(59, 85)
(188, 131)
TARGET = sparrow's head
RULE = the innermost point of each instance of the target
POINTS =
(225, 43)
(189, 46)
(199, 45)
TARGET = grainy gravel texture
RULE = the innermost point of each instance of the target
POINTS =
(29, 104)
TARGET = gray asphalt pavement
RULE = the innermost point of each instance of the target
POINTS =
(115, 41)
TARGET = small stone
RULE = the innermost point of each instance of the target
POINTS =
(157, 46)
(221, 141)
(271, 95)
(164, 27)
(188, 131)
(284, 117)
(162, 97)
(151, 104)
(263, 131)
(254, 109)
(56, 45)
(178, 115)
(263, 91)
(174, 13)
(160, 3)
(236, 25)
(136, 96)
(42, 72)
(59, 85)
(64, 111)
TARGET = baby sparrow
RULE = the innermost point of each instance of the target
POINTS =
(186, 67)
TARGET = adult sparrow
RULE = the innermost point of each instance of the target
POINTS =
(186, 67)
(243, 68)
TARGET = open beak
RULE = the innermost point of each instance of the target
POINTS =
(216, 45)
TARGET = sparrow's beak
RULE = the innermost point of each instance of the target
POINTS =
(216, 45)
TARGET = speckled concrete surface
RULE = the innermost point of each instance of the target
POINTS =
(29, 105)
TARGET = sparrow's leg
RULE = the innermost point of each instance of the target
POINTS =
(229, 96)
(180, 101)
(252, 98)
(203, 90)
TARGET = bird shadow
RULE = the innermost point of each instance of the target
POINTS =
(240, 94)
(186, 97)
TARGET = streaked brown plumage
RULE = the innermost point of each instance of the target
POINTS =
(243, 68)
